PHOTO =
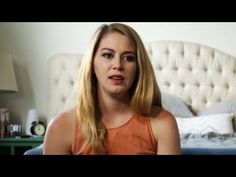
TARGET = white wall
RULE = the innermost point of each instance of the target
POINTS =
(32, 44)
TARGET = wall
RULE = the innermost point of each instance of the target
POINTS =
(32, 44)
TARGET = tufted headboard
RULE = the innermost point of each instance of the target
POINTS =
(200, 75)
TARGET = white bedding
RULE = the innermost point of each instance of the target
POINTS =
(210, 140)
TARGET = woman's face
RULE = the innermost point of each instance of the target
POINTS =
(115, 64)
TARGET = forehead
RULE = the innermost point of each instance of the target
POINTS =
(116, 40)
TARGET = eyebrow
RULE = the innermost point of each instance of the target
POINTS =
(126, 52)
(108, 49)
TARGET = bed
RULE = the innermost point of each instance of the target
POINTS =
(198, 85)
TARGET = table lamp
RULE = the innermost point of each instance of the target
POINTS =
(7, 85)
(7, 75)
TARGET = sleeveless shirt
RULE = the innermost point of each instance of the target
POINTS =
(133, 137)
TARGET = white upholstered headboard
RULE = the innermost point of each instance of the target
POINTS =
(199, 74)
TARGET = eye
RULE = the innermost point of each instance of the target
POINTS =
(129, 58)
(107, 55)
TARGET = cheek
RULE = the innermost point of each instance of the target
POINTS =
(95, 66)
(99, 69)
(133, 71)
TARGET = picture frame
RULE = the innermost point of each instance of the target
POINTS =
(4, 120)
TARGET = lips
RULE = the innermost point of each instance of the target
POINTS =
(116, 77)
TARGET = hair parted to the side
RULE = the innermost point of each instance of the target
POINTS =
(144, 92)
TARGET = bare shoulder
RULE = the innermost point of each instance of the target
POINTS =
(165, 131)
(161, 115)
(63, 120)
(162, 121)
(60, 133)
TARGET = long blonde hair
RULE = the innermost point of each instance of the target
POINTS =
(144, 92)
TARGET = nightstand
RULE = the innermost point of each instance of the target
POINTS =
(18, 145)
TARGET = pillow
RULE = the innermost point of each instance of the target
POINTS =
(175, 105)
(227, 106)
(222, 107)
(217, 123)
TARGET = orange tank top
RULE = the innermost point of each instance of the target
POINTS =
(134, 137)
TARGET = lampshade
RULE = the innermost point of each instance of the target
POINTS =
(7, 75)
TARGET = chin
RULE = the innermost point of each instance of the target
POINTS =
(118, 92)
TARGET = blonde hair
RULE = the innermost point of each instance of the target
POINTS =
(144, 92)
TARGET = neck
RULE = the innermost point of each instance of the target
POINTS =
(110, 104)
(115, 110)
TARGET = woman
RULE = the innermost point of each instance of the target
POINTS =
(118, 108)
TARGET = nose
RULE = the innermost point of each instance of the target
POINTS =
(117, 65)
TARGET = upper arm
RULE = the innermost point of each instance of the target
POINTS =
(59, 136)
(166, 133)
